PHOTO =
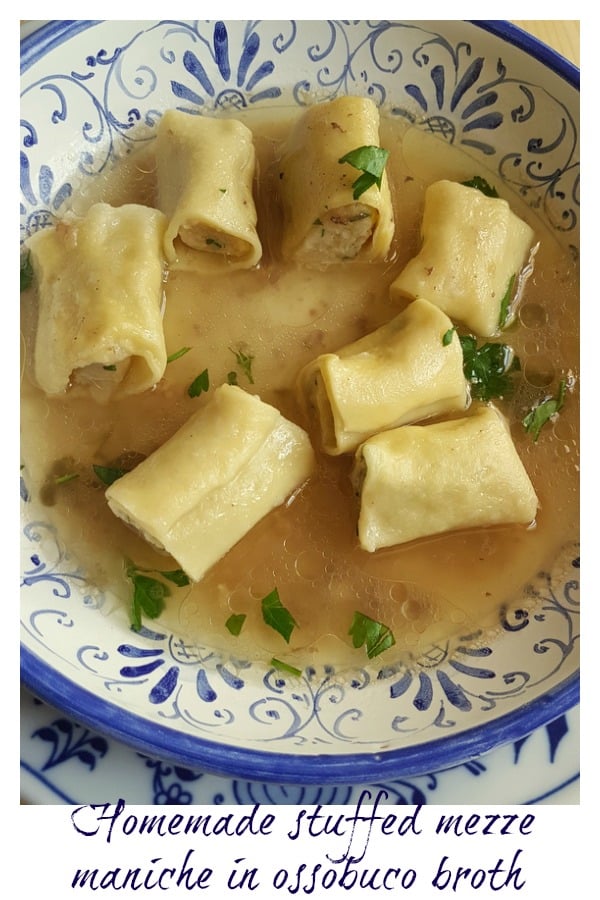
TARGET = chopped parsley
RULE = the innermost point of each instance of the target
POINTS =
(149, 593)
(199, 385)
(375, 636)
(108, 474)
(244, 361)
(505, 302)
(232, 378)
(111, 368)
(481, 185)
(488, 368)
(178, 354)
(277, 616)
(211, 242)
(447, 337)
(26, 278)
(64, 479)
(543, 412)
(235, 623)
(371, 162)
(285, 667)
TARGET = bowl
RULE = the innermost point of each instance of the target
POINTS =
(455, 97)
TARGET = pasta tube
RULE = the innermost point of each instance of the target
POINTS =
(205, 172)
(323, 222)
(100, 298)
(474, 252)
(403, 372)
(422, 480)
(232, 462)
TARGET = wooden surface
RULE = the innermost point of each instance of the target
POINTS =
(560, 34)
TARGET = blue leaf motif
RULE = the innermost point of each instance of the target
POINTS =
(453, 692)
(163, 689)
(425, 694)
(221, 44)
(193, 65)
(251, 48)
(205, 691)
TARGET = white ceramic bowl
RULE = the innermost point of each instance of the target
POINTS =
(92, 91)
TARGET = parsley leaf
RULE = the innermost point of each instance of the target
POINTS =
(199, 384)
(537, 417)
(277, 616)
(178, 353)
(371, 162)
(488, 368)
(447, 336)
(505, 302)
(149, 593)
(148, 598)
(26, 277)
(232, 378)
(244, 361)
(235, 623)
(376, 636)
(285, 667)
(64, 479)
(108, 474)
(481, 185)
(177, 576)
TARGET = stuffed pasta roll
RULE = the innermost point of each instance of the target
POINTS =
(100, 299)
(408, 369)
(205, 171)
(422, 480)
(231, 463)
(323, 221)
(474, 253)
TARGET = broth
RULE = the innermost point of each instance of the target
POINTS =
(433, 590)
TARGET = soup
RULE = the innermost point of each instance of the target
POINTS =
(264, 325)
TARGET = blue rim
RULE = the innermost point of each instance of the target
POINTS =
(282, 768)
(48, 36)
(199, 753)
(533, 46)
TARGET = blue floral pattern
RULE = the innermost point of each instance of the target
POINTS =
(141, 779)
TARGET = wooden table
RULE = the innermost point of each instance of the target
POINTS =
(560, 34)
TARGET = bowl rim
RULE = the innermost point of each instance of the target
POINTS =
(284, 768)
(551, 58)
(54, 688)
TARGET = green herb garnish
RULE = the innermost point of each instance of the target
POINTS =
(111, 368)
(235, 623)
(26, 278)
(108, 474)
(447, 337)
(244, 361)
(64, 479)
(177, 576)
(149, 593)
(285, 667)
(505, 302)
(211, 242)
(199, 384)
(371, 162)
(481, 185)
(375, 636)
(178, 353)
(537, 417)
(277, 616)
(488, 368)
(232, 378)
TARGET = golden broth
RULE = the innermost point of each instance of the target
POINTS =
(283, 316)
